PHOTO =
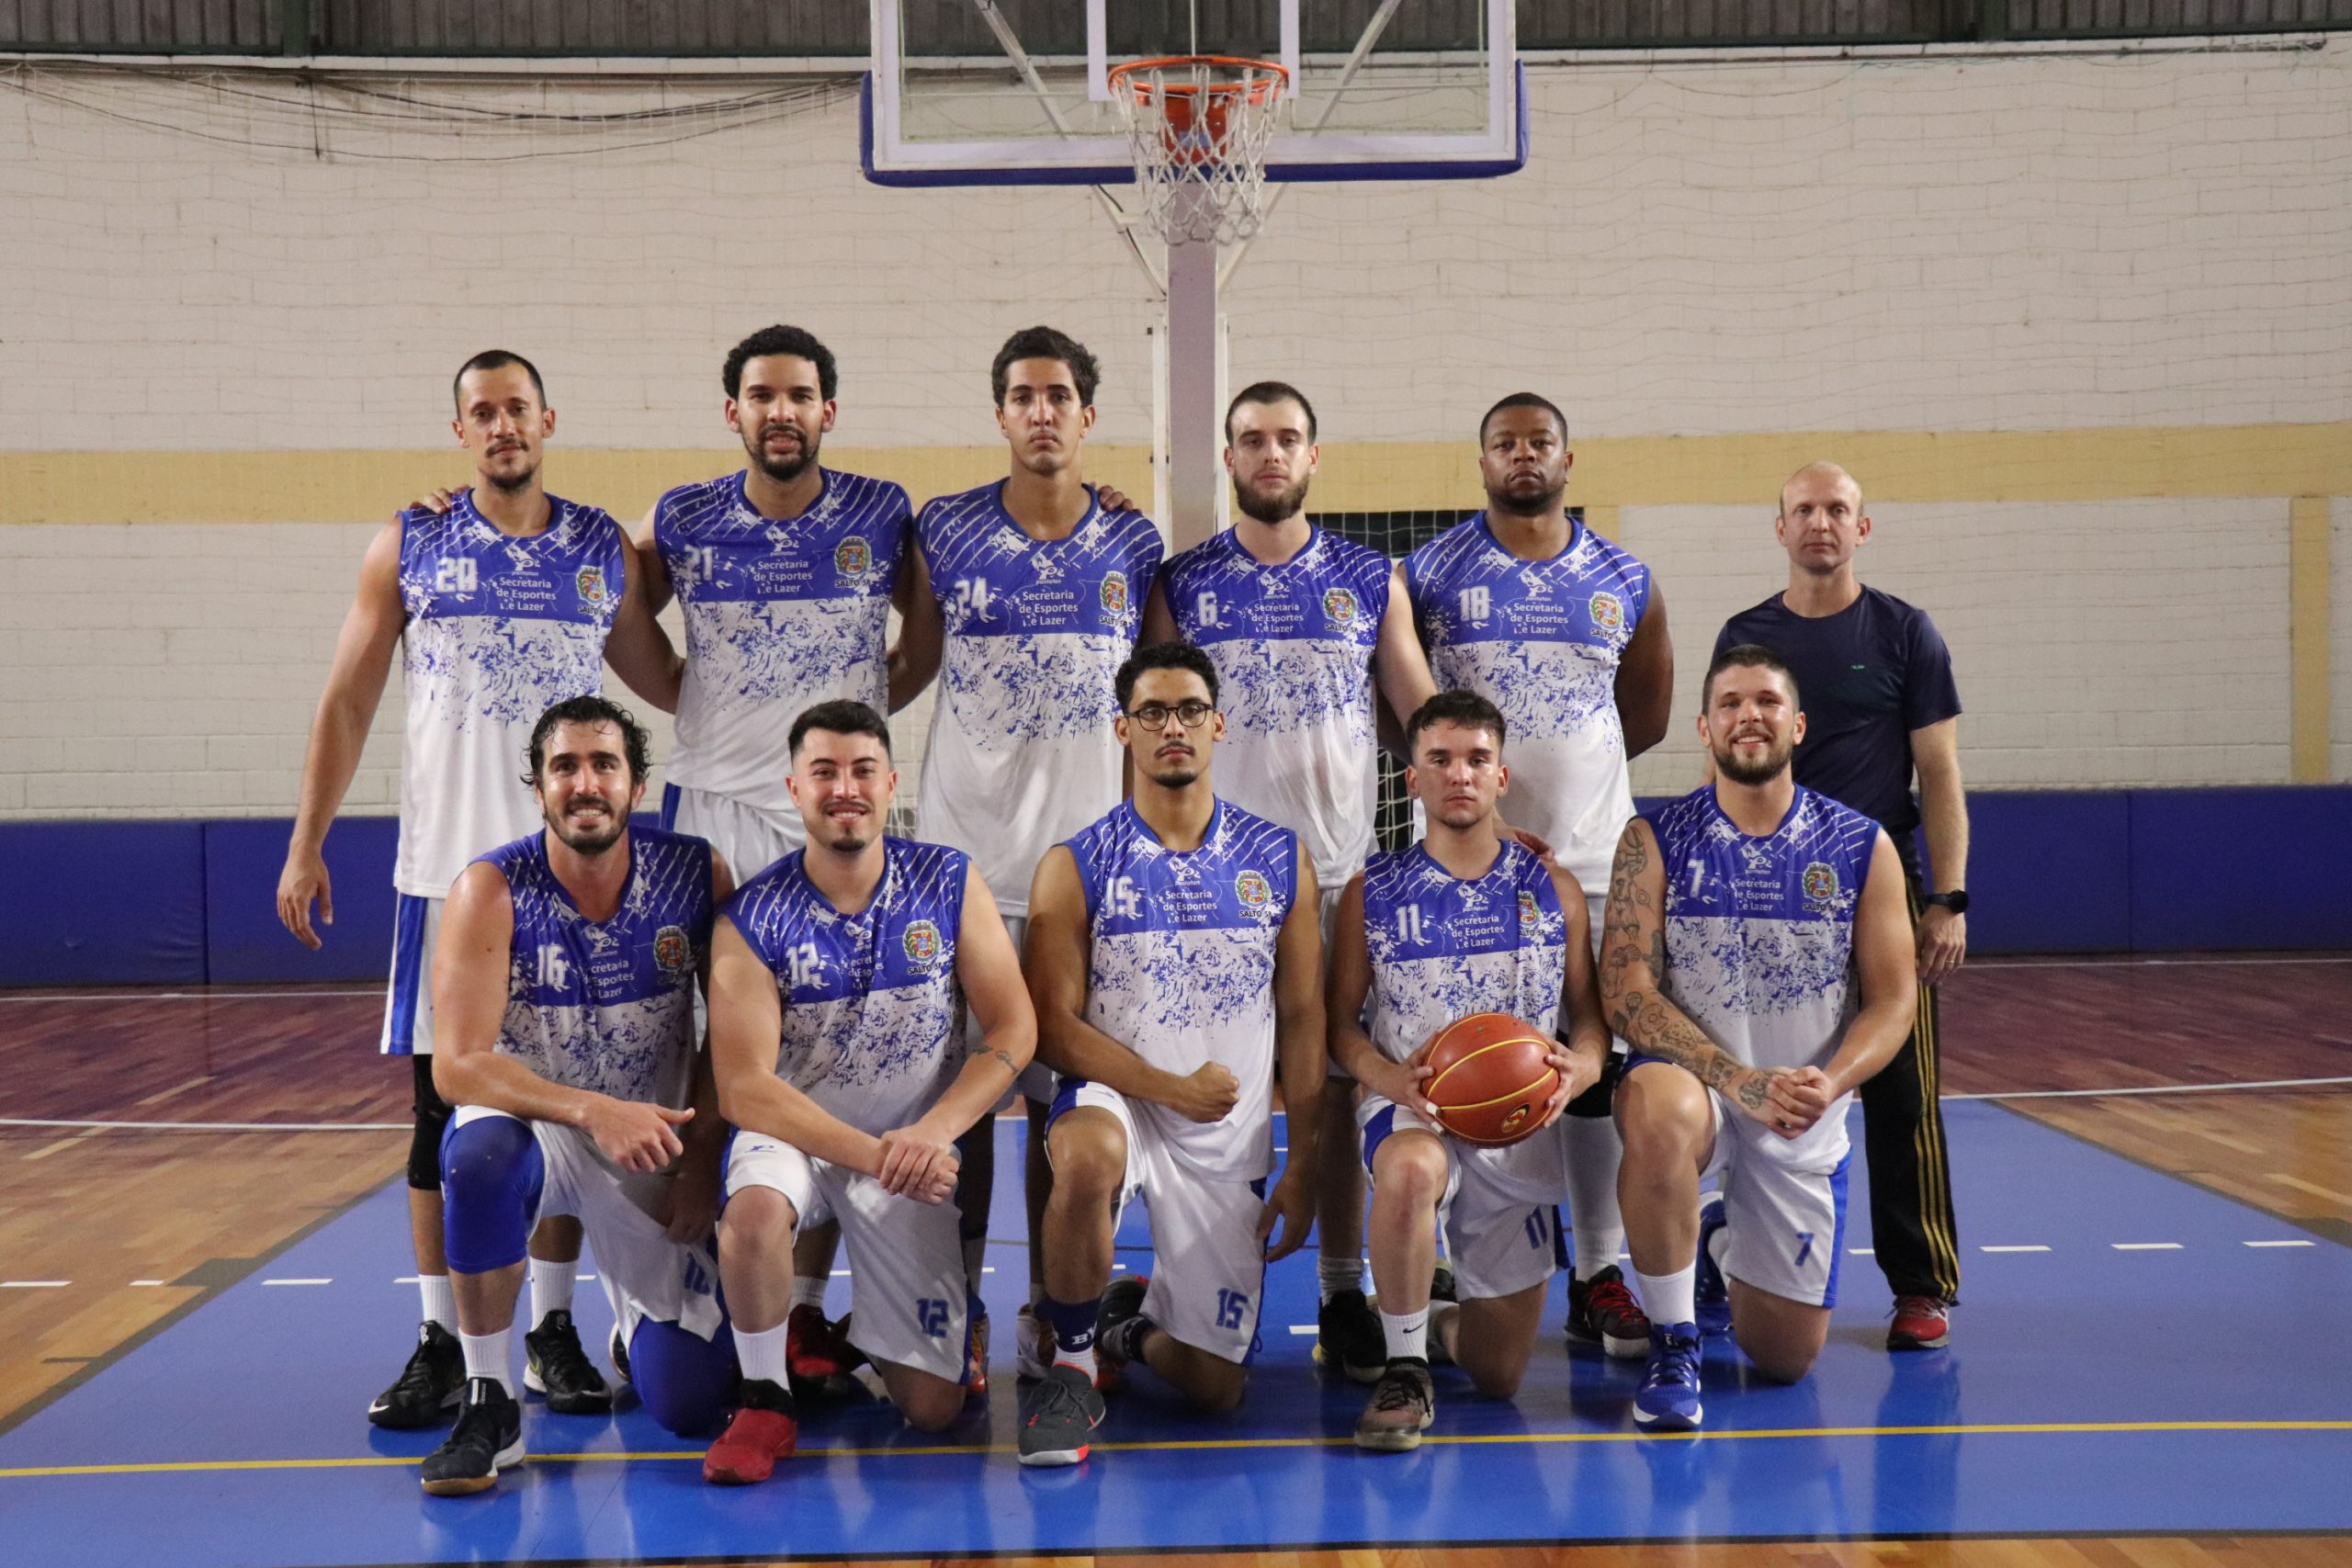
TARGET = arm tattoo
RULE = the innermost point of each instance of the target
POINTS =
(1006, 1058)
(1648, 1019)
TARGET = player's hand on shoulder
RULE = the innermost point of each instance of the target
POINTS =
(303, 880)
(1206, 1093)
(1113, 499)
(1540, 848)
(635, 1135)
(436, 502)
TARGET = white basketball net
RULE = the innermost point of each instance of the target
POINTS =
(1199, 127)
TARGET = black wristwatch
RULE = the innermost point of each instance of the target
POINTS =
(1956, 900)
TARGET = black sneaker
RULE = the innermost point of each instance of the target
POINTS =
(1120, 1324)
(554, 1364)
(428, 1387)
(488, 1439)
(620, 1352)
(1602, 1312)
(1059, 1415)
(1442, 1293)
(1349, 1339)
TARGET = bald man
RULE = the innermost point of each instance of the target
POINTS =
(1879, 707)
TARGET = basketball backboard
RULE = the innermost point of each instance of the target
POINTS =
(1017, 92)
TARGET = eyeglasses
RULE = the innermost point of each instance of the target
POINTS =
(1154, 716)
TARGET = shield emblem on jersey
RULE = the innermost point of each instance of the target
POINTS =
(1115, 592)
(1608, 611)
(672, 950)
(1530, 915)
(853, 557)
(1820, 882)
(922, 944)
(591, 582)
(1254, 891)
(1339, 605)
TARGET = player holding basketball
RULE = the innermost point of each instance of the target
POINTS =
(1299, 623)
(1465, 922)
(1040, 585)
(1757, 961)
(508, 602)
(1565, 632)
(1173, 954)
(835, 977)
(564, 985)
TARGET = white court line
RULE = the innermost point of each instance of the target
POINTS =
(1303, 1328)
(298, 1281)
(2152, 1088)
(1861, 1252)
(33, 1284)
(2145, 1246)
(2282, 1244)
(2012, 1249)
(147, 1281)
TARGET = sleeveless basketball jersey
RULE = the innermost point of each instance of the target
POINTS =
(1182, 971)
(1759, 935)
(869, 998)
(1021, 752)
(1292, 647)
(608, 1006)
(500, 629)
(1541, 641)
(780, 616)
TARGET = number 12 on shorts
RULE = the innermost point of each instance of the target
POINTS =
(1230, 1307)
(931, 1316)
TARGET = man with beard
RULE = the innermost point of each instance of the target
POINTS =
(1302, 625)
(1565, 632)
(564, 986)
(502, 602)
(1173, 956)
(1743, 922)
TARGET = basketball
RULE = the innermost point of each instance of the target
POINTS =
(1488, 1078)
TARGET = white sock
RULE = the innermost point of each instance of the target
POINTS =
(1408, 1333)
(761, 1355)
(1669, 1298)
(1595, 1150)
(486, 1356)
(552, 1288)
(1082, 1359)
(1336, 1274)
(440, 1302)
(1717, 1244)
(809, 1292)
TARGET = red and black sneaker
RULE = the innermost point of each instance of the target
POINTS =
(1921, 1323)
(1602, 1310)
(763, 1432)
(818, 1355)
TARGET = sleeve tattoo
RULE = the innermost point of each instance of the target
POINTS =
(1645, 1018)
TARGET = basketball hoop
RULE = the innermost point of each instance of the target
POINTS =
(1198, 125)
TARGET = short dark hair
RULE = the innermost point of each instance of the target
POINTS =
(840, 716)
(768, 340)
(494, 359)
(592, 710)
(1524, 401)
(1163, 656)
(1467, 709)
(1269, 393)
(1745, 656)
(1045, 343)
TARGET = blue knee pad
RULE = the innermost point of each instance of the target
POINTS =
(683, 1379)
(491, 1175)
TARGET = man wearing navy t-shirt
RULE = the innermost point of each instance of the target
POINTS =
(1879, 703)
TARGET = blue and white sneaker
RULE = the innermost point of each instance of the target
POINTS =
(1714, 1297)
(1669, 1399)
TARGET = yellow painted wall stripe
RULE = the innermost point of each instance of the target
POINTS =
(1610, 471)
(2309, 611)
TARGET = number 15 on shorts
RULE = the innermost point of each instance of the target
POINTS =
(1230, 1307)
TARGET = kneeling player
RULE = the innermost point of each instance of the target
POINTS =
(1465, 922)
(563, 986)
(1742, 920)
(833, 1027)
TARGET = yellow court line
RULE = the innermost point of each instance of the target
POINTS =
(2018, 1428)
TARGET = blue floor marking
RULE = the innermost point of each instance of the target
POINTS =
(2216, 1331)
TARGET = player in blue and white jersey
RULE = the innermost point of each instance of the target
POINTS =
(503, 602)
(1565, 631)
(1465, 922)
(835, 979)
(1758, 960)
(1173, 954)
(565, 982)
(1040, 582)
(1310, 631)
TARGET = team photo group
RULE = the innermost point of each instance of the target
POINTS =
(769, 1041)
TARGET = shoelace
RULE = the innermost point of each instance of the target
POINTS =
(1057, 1396)
(1679, 1364)
(1399, 1393)
(1611, 1295)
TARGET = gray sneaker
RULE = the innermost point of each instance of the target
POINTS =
(1059, 1415)
(1402, 1405)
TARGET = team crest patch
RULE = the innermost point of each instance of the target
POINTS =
(923, 942)
(672, 950)
(1252, 889)
(1115, 592)
(591, 582)
(1820, 882)
(1608, 611)
(1530, 915)
(853, 557)
(1339, 607)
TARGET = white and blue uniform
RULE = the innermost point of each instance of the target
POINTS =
(1293, 646)
(500, 629)
(1181, 971)
(1542, 641)
(1759, 954)
(781, 615)
(869, 1006)
(1443, 947)
(1021, 752)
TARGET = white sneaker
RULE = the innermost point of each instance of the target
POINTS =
(1033, 1342)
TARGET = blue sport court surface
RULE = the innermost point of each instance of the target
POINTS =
(2132, 1355)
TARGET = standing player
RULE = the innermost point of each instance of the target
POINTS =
(564, 982)
(1465, 922)
(1880, 701)
(1172, 953)
(1757, 961)
(509, 602)
(1040, 586)
(1565, 632)
(1298, 622)
(832, 1022)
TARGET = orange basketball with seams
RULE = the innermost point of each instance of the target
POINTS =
(1489, 1078)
